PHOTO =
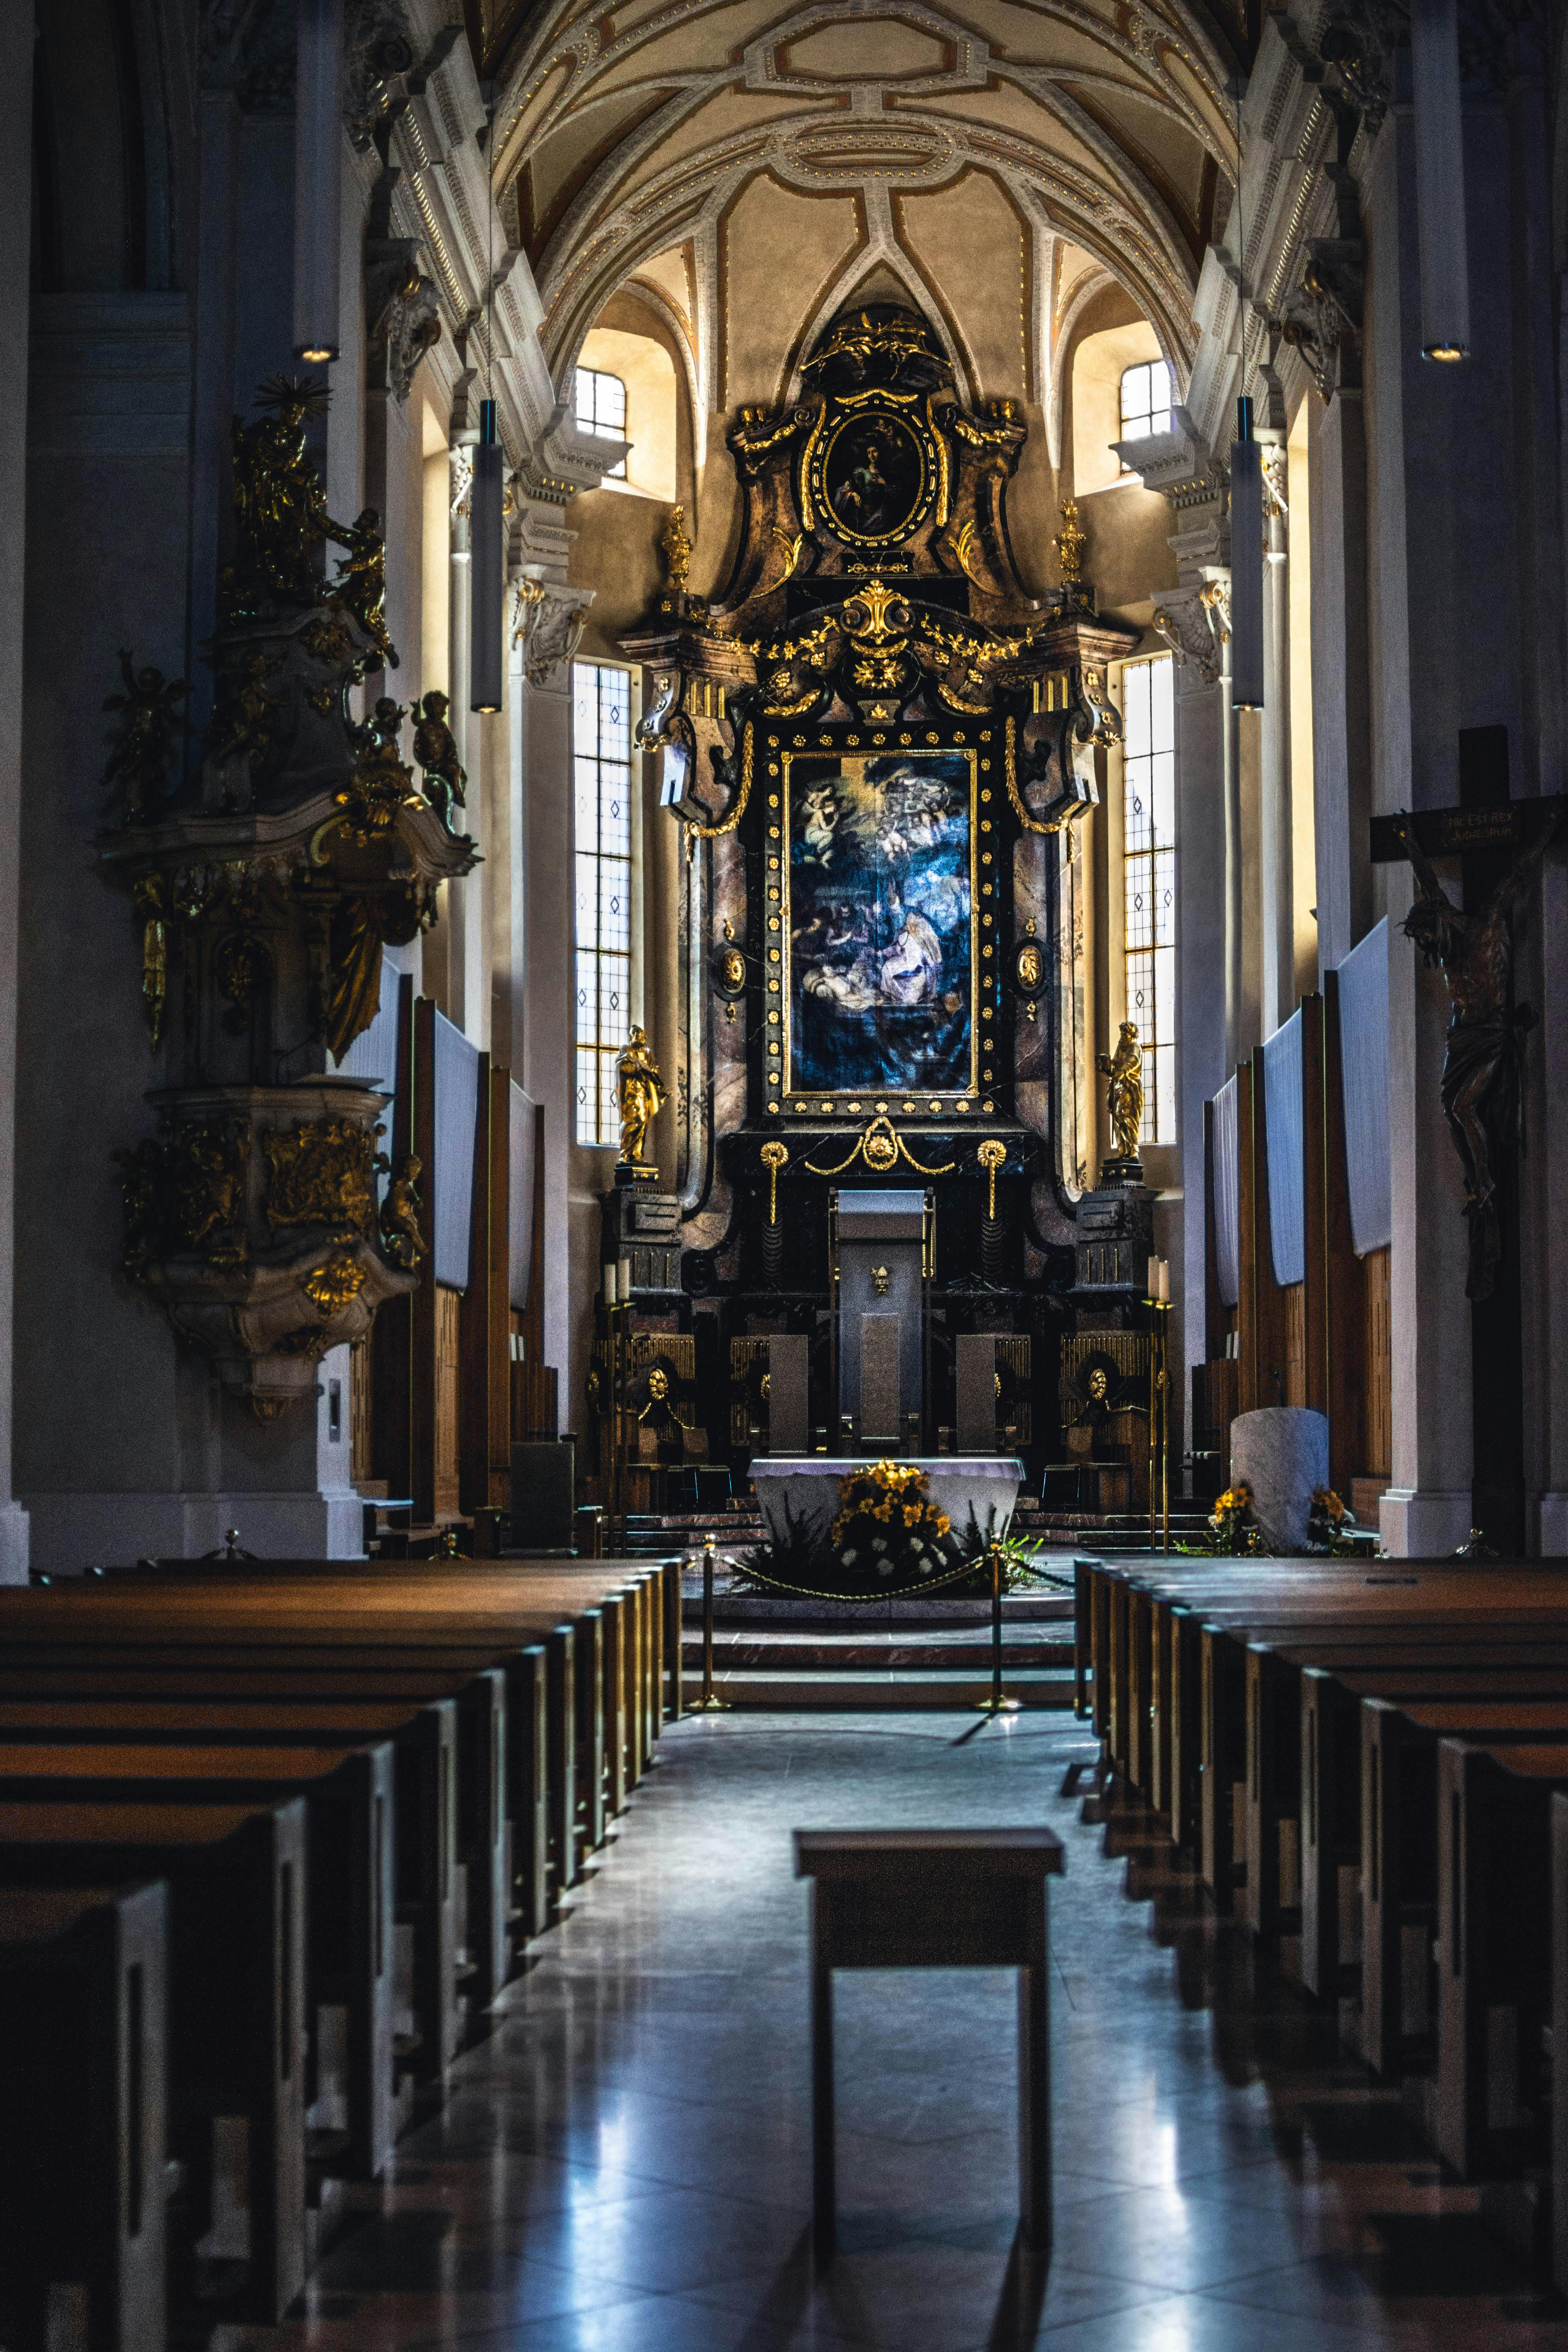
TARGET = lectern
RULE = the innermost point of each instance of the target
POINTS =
(934, 1899)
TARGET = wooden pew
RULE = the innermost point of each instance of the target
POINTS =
(278, 1610)
(83, 2123)
(543, 1593)
(349, 1893)
(492, 1834)
(1496, 1943)
(236, 1875)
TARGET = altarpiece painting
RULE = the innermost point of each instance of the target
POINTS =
(879, 909)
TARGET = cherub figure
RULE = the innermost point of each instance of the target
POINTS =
(402, 1237)
(820, 810)
(1124, 1094)
(361, 582)
(150, 723)
(435, 749)
(1480, 1085)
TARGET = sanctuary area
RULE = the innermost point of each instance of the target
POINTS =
(784, 1140)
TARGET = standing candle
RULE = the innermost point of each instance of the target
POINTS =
(1163, 1292)
(610, 1271)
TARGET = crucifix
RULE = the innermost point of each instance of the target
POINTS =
(1500, 842)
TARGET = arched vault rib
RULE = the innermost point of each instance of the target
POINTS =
(596, 248)
(560, 36)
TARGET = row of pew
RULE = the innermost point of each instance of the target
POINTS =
(272, 1835)
(1369, 1763)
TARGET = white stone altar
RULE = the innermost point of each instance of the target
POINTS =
(805, 1489)
(1282, 1451)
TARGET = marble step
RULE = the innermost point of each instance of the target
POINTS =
(858, 1652)
(953, 1690)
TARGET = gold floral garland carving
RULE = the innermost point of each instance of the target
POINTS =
(882, 1146)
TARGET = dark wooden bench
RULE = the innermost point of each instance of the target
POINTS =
(349, 1892)
(83, 2123)
(236, 1876)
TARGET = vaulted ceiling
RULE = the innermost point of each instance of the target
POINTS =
(751, 165)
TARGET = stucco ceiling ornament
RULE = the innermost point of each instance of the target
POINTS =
(1050, 137)
(1322, 318)
(379, 53)
(1182, 622)
(547, 622)
(404, 312)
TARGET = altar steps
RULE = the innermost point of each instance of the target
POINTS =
(775, 1653)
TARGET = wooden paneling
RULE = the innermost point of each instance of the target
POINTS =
(1261, 1310)
(497, 1334)
(474, 1416)
(446, 1465)
(422, 1415)
(1377, 1447)
(1346, 1404)
(1295, 1301)
(1217, 1317)
(361, 1401)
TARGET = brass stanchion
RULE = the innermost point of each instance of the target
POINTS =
(1158, 1302)
(996, 1703)
(708, 1703)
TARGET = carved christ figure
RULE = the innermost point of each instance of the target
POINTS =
(1480, 1089)
(1124, 1094)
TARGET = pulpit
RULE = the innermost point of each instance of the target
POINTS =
(879, 1243)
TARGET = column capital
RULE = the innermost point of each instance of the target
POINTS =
(1195, 623)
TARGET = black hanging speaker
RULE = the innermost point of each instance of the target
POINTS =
(1245, 564)
(317, 177)
(486, 568)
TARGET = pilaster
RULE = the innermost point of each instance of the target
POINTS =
(16, 204)
(546, 1021)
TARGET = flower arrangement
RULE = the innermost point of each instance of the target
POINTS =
(1329, 1523)
(886, 1521)
(1231, 1524)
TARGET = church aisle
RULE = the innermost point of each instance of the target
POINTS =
(624, 2165)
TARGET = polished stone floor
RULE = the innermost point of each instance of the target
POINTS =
(624, 2163)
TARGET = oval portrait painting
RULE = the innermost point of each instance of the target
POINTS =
(873, 477)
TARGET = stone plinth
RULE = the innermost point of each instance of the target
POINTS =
(1282, 1452)
(806, 1488)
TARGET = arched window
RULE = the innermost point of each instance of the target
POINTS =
(1149, 881)
(1145, 401)
(601, 761)
(600, 408)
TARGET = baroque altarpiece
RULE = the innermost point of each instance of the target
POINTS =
(878, 745)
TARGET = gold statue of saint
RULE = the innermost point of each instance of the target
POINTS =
(1124, 1094)
(641, 1092)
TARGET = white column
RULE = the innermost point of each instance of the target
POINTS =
(1426, 1510)
(546, 1023)
(459, 918)
(1277, 890)
(15, 201)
